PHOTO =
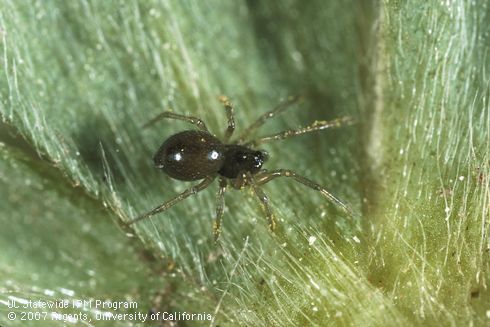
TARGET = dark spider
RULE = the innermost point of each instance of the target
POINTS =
(197, 154)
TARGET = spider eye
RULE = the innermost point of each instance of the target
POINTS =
(264, 154)
(258, 159)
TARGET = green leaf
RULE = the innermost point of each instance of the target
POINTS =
(79, 79)
(427, 209)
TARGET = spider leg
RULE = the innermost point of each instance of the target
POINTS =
(164, 206)
(268, 115)
(316, 126)
(264, 200)
(262, 178)
(171, 115)
(229, 116)
(220, 206)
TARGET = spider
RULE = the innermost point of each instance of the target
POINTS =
(194, 155)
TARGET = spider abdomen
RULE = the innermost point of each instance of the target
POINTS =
(190, 155)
